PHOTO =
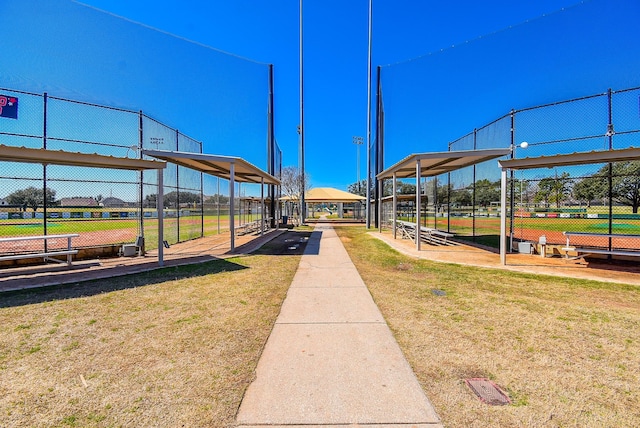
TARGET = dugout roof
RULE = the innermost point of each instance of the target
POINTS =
(436, 163)
(582, 158)
(216, 165)
(60, 157)
(596, 156)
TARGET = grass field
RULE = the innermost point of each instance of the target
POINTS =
(566, 351)
(178, 346)
(175, 347)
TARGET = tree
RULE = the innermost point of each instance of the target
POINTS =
(183, 197)
(554, 190)
(590, 188)
(626, 183)
(292, 183)
(358, 188)
(150, 201)
(487, 192)
(461, 197)
(405, 189)
(217, 198)
(32, 197)
(524, 191)
(171, 199)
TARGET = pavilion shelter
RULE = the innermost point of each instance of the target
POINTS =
(430, 165)
(231, 168)
(584, 158)
(329, 195)
(87, 160)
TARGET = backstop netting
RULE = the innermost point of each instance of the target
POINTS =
(563, 64)
(91, 82)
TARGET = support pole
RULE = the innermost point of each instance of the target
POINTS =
(394, 210)
(44, 172)
(610, 132)
(302, 173)
(262, 207)
(160, 208)
(232, 205)
(379, 203)
(141, 184)
(368, 207)
(503, 217)
(272, 152)
(418, 204)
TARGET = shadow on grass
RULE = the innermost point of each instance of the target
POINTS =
(486, 242)
(106, 285)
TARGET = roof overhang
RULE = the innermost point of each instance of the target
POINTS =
(584, 158)
(60, 157)
(329, 194)
(436, 163)
(216, 165)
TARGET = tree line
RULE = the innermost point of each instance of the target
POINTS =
(549, 191)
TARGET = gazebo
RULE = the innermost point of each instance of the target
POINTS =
(329, 195)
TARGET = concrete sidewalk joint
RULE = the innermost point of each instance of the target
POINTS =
(331, 359)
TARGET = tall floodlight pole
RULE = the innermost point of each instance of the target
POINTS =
(301, 129)
(358, 142)
(368, 210)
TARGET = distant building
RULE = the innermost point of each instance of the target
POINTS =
(112, 202)
(78, 202)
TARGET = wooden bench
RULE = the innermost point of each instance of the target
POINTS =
(45, 255)
(585, 251)
(427, 234)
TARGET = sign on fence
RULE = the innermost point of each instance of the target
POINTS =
(8, 106)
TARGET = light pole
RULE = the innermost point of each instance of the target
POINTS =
(358, 141)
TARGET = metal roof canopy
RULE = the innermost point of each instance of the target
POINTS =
(61, 157)
(232, 168)
(329, 194)
(436, 163)
(216, 165)
(431, 165)
(582, 158)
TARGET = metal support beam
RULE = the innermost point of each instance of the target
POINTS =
(379, 203)
(394, 216)
(232, 206)
(160, 208)
(262, 208)
(503, 218)
(418, 203)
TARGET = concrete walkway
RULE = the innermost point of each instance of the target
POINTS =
(331, 358)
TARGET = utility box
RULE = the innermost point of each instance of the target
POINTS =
(525, 247)
(129, 250)
(543, 245)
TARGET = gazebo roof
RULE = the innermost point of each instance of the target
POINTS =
(328, 194)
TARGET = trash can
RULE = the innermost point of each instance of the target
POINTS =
(284, 219)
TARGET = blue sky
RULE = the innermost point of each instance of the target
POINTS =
(470, 69)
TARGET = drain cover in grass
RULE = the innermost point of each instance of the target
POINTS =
(488, 392)
(438, 292)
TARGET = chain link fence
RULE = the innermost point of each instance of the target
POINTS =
(106, 207)
(596, 198)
